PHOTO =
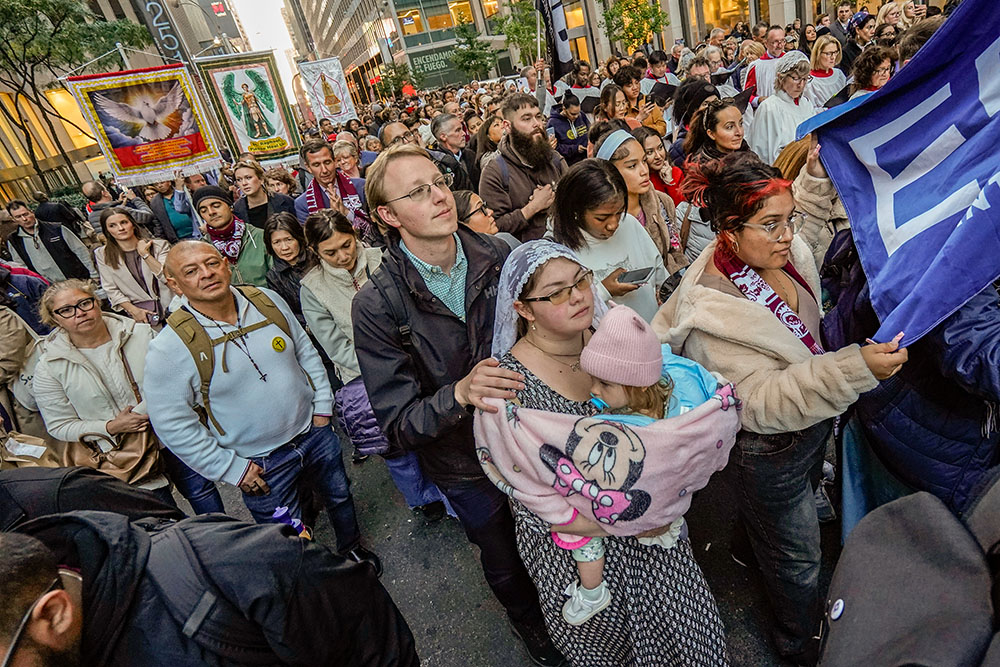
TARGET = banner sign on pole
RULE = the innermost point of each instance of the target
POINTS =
(149, 123)
(246, 93)
(917, 167)
(327, 88)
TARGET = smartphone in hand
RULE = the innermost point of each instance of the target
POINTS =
(636, 277)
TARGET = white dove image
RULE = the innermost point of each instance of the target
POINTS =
(144, 118)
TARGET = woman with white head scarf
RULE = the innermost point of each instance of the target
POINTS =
(662, 612)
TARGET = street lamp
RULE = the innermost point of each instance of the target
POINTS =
(216, 43)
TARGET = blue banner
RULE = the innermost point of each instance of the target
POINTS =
(917, 165)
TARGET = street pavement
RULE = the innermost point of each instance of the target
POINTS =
(434, 576)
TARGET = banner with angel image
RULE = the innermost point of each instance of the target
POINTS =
(149, 122)
(246, 92)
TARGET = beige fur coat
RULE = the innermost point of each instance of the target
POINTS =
(784, 387)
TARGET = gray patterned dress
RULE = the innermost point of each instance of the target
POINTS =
(662, 613)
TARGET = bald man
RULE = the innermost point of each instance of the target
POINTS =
(268, 404)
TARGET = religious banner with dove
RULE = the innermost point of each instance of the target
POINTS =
(245, 90)
(149, 123)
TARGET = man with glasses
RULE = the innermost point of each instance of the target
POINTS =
(47, 248)
(397, 134)
(91, 588)
(762, 71)
(423, 327)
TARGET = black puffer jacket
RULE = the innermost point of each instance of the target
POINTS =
(426, 419)
(295, 602)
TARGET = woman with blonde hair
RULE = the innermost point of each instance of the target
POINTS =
(827, 78)
(130, 265)
(890, 13)
(87, 386)
(257, 203)
(750, 51)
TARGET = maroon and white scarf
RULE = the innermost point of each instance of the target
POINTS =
(352, 202)
(757, 290)
(229, 239)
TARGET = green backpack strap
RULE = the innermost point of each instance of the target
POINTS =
(263, 303)
(199, 344)
(271, 313)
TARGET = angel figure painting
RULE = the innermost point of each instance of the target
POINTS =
(144, 112)
(249, 104)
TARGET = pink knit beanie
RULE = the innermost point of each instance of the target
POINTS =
(624, 350)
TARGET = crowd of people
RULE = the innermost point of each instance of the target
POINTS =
(448, 256)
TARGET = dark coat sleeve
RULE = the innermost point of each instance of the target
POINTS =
(282, 203)
(406, 416)
(162, 229)
(315, 608)
(966, 345)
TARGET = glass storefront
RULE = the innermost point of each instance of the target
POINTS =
(410, 21)
(704, 15)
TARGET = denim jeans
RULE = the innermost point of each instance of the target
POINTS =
(485, 515)
(777, 476)
(197, 490)
(416, 488)
(310, 460)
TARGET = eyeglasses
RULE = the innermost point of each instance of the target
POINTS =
(479, 209)
(562, 295)
(422, 192)
(83, 305)
(775, 230)
(23, 625)
(830, 53)
(405, 137)
(883, 70)
(799, 79)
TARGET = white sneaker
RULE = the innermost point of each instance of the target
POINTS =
(578, 609)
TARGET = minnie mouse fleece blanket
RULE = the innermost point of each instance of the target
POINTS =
(628, 478)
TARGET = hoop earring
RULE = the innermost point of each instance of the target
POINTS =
(736, 246)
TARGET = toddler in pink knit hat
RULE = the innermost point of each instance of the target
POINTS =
(625, 360)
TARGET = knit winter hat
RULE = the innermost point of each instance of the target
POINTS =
(211, 192)
(624, 350)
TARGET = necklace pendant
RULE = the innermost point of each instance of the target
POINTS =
(575, 367)
(263, 377)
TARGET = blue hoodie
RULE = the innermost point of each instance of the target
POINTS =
(569, 137)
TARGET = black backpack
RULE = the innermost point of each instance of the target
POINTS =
(849, 315)
(916, 585)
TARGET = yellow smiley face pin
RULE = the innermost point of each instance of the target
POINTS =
(278, 343)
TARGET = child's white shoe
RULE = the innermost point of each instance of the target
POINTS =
(579, 609)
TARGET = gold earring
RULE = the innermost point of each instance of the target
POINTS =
(736, 246)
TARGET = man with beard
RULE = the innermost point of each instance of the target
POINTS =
(519, 185)
(93, 588)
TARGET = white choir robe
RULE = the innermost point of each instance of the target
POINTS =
(774, 124)
(823, 86)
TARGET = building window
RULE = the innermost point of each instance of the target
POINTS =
(764, 10)
(490, 7)
(67, 107)
(705, 15)
(578, 47)
(461, 11)
(574, 15)
(410, 21)
(438, 15)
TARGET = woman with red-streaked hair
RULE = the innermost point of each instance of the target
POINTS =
(748, 309)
